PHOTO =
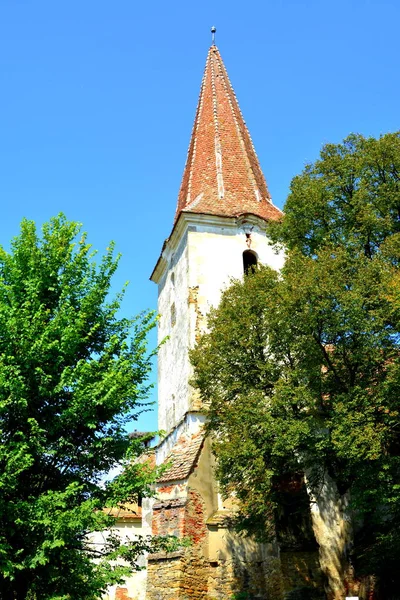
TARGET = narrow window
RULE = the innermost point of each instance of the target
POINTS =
(249, 261)
(173, 314)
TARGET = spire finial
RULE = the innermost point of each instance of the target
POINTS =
(213, 30)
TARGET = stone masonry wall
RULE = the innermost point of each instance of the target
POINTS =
(178, 576)
(184, 574)
(228, 577)
(164, 574)
(300, 572)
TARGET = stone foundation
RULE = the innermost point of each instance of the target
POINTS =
(177, 576)
(186, 575)
(164, 573)
(227, 578)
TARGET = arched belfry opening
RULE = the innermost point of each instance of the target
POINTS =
(249, 261)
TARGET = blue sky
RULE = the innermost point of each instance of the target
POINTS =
(97, 101)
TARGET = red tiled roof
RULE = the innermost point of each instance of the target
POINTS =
(222, 175)
(182, 458)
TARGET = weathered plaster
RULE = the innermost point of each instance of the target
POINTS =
(199, 261)
(134, 587)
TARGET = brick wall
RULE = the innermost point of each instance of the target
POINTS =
(169, 517)
(195, 526)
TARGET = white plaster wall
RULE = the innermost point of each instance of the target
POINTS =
(224, 543)
(147, 514)
(176, 491)
(331, 522)
(199, 266)
(173, 363)
(216, 257)
(136, 583)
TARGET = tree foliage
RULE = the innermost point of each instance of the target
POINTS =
(71, 374)
(302, 369)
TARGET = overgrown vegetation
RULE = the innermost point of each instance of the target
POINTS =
(72, 373)
(301, 369)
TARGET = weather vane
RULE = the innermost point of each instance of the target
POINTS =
(213, 30)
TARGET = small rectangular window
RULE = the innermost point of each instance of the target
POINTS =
(173, 314)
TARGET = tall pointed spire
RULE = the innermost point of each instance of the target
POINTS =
(222, 175)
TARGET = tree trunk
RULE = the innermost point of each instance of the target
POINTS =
(333, 532)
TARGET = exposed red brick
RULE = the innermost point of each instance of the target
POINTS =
(169, 517)
(121, 593)
(195, 522)
(165, 489)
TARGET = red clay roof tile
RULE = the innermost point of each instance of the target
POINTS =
(222, 175)
(182, 458)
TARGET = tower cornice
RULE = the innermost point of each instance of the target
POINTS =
(187, 220)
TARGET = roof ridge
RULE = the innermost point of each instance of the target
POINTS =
(217, 141)
(236, 107)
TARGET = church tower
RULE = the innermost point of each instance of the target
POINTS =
(219, 225)
(218, 233)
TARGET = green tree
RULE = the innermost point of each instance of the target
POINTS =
(72, 373)
(302, 370)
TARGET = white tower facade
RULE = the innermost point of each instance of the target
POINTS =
(223, 206)
(202, 256)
